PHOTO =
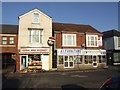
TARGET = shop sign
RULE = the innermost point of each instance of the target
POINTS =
(34, 50)
(68, 51)
(51, 41)
(94, 52)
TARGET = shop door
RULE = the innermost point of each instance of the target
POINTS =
(23, 62)
(45, 62)
(68, 62)
(95, 61)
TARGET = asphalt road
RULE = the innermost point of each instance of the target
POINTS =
(86, 80)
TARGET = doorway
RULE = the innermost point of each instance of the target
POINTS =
(23, 62)
(69, 62)
(95, 61)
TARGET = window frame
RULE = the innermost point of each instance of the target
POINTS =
(65, 39)
(118, 41)
(4, 40)
(92, 40)
(40, 36)
(12, 40)
(38, 18)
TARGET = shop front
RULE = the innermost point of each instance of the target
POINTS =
(80, 59)
(34, 58)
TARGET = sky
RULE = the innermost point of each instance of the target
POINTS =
(101, 15)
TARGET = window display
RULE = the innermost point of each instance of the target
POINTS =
(34, 59)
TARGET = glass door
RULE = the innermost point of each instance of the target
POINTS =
(23, 62)
(68, 62)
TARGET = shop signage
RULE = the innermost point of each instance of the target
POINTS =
(68, 51)
(80, 52)
(94, 52)
(34, 50)
(51, 41)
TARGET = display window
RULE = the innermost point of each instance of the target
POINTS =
(34, 59)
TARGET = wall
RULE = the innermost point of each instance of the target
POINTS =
(25, 22)
(108, 43)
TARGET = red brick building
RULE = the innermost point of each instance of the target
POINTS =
(8, 45)
(78, 47)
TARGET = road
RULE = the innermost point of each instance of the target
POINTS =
(86, 80)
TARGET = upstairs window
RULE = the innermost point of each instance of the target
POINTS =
(11, 40)
(69, 39)
(36, 17)
(118, 41)
(4, 40)
(35, 36)
(91, 40)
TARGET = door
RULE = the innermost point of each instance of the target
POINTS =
(95, 61)
(45, 62)
(68, 62)
(23, 62)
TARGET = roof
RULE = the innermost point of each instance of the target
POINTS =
(111, 33)
(9, 29)
(35, 9)
(74, 27)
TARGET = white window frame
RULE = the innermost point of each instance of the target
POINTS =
(40, 36)
(65, 42)
(38, 18)
(11, 40)
(4, 40)
(88, 42)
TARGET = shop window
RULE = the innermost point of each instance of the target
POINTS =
(4, 40)
(66, 58)
(100, 58)
(60, 59)
(66, 64)
(34, 59)
(11, 40)
(69, 39)
(71, 64)
(88, 59)
(116, 57)
(78, 59)
(103, 59)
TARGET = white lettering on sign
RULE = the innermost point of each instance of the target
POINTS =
(34, 50)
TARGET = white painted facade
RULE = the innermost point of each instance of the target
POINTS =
(33, 37)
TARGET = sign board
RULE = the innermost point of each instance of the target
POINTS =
(34, 50)
(68, 51)
(94, 52)
(51, 41)
(80, 52)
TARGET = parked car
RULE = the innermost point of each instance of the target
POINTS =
(112, 83)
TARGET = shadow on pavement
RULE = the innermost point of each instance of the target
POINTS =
(11, 82)
(72, 86)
